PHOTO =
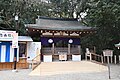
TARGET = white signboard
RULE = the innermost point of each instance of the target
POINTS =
(15, 40)
(6, 35)
(108, 52)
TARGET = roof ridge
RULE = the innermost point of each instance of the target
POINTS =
(63, 19)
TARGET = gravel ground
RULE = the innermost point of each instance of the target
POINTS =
(22, 74)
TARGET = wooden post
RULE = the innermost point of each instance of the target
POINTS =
(90, 57)
(68, 50)
(104, 58)
(111, 59)
(79, 48)
(53, 48)
(26, 50)
(119, 58)
(101, 58)
(94, 49)
(115, 59)
(108, 66)
(108, 60)
(32, 65)
(86, 56)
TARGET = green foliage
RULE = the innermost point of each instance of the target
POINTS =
(26, 10)
(105, 16)
(66, 8)
(29, 10)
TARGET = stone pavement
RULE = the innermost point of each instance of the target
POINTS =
(22, 74)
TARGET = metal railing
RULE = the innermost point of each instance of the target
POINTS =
(36, 61)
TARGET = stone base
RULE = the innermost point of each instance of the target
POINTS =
(47, 58)
(76, 57)
(14, 70)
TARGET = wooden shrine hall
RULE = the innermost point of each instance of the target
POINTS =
(59, 37)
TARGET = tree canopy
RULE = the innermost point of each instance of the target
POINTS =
(101, 14)
(105, 16)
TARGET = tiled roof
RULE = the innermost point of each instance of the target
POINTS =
(58, 24)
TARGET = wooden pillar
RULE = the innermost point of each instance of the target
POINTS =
(26, 51)
(79, 49)
(69, 49)
(53, 48)
(104, 58)
(119, 58)
(108, 66)
(86, 56)
(108, 59)
(90, 57)
(101, 58)
(94, 49)
(111, 59)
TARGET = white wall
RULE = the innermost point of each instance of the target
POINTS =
(32, 49)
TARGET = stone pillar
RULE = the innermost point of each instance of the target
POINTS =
(115, 59)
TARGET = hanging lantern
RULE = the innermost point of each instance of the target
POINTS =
(70, 41)
(50, 40)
